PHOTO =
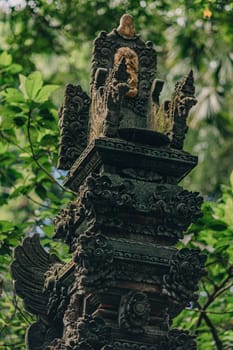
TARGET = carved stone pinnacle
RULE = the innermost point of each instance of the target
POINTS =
(126, 27)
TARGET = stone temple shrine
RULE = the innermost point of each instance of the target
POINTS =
(123, 149)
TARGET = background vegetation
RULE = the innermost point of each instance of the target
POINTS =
(46, 44)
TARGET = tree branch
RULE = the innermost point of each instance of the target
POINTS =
(34, 157)
(218, 290)
(4, 136)
(29, 197)
(214, 332)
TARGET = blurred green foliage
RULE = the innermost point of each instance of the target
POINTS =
(54, 37)
(212, 316)
(30, 193)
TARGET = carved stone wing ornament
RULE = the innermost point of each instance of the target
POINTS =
(29, 268)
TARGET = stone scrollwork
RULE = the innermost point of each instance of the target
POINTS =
(93, 258)
(64, 224)
(102, 186)
(179, 340)
(107, 95)
(134, 312)
(94, 331)
(87, 333)
(182, 101)
(57, 344)
(186, 269)
(172, 208)
(170, 118)
(90, 333)
(176, 339)
(177, 209)
(73, 123)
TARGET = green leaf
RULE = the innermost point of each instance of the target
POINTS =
(21, 190)
(15, 68)
(13, 95)
(6, 226)
(4, 198)
(48, 140)
(5, 59)
(41, 191)
(45, 93)
(217, 225)
(20, 120)
(49, 230)
(33, 84)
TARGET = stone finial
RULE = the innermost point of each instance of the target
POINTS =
(126, 27)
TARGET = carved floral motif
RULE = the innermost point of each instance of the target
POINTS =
(87, 333)
(73, 123)
(57, 344)
(176, 209)
(186, 269)
(171, 208)
(179, 340)
(134, 312)
(175, 340)
(65, 223)
(94, 257)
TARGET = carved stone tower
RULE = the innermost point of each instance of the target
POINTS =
(126, 280)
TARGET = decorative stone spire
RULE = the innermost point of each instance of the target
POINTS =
(126, 280)
(126, 27)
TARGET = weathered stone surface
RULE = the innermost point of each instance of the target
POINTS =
(186, 269)
(73, 123)
(134, 160)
